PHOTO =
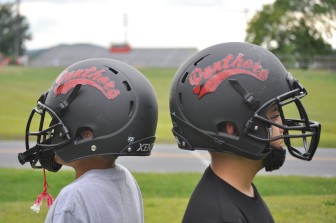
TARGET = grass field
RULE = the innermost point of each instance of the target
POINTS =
(290, 199)
(20, 87)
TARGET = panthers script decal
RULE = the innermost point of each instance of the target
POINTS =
(91, 76)
(208, 79)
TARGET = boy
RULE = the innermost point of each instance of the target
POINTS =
(230, 99)
(98, 109)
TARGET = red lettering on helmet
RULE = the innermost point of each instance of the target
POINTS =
(91, 77)
(208, 79)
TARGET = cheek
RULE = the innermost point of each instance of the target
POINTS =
(58, 160)
(276, 131)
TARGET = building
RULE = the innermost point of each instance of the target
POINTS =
(65, 55)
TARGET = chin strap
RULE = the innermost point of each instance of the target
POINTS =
(275, 159)
(43, 195)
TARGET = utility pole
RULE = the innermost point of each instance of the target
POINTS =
(125, 20)
(17, 31)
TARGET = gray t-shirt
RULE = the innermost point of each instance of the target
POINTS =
(99, 195)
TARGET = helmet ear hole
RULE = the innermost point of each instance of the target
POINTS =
(227, 128)
(84, 133)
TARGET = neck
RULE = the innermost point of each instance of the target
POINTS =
(237, 171)
(83, 165)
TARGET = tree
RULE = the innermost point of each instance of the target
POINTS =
(294, 27)
(12, 26)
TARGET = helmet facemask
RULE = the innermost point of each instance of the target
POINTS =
(45, 136)
(298, 131)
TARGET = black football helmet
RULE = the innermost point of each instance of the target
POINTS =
(108, 97)
(238, 82)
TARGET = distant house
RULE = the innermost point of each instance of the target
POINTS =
(120, 48)
(65, 55)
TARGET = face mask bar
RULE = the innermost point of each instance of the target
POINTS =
(44, 142)
(303, 128)
(43, 151)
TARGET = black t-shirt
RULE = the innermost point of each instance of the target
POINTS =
(215, 201)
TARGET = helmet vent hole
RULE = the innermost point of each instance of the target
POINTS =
(112, 70)
(184, 77)
(131, 108)
(195, 64)
(127, 86)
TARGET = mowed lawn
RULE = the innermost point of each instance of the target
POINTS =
(20, 88)
(291, 199)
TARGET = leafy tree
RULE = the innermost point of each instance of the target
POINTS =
(8, 30)
(294, 27)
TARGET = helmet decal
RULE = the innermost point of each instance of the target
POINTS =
(208, 79)
(91, 76)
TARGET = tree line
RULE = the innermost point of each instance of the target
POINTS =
(14, 31)
(296, 28)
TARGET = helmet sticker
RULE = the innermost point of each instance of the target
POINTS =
(130, 139)
(91, 76)
(208, 79)
(146, 147)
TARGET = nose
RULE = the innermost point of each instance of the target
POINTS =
(281, 130)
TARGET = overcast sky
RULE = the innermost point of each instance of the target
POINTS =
(149, 23)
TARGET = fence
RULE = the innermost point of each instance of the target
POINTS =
(325, 62)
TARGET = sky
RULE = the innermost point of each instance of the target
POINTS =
(142, 23)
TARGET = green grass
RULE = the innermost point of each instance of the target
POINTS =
(20, 87)
(290, 199)
(320, 101)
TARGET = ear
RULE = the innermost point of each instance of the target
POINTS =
(230, 128)
(86, 133)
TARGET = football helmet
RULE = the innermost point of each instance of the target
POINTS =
(238, 82)
(108, 97)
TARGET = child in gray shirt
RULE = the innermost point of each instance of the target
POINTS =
(95, 111)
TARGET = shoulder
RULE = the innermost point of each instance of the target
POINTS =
(65, 203)
(211, 199)
(69, 195)
(125, 173)
(121, 169)
(212, 185)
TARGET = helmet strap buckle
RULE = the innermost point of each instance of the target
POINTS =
(249, 97)
(63, 105)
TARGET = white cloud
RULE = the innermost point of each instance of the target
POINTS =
(151, 23)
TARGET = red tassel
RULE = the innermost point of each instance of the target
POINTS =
(43, 195)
